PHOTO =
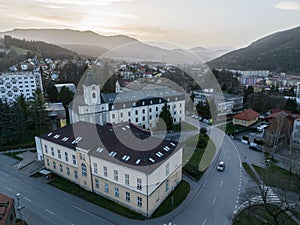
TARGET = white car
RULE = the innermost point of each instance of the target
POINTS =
(221, 166)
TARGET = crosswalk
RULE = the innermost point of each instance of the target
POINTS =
(271, 197)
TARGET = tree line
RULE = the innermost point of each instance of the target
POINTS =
(22, 118)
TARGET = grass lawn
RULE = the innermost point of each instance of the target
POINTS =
(256, 215)
(94, 198)
(198, 158)
(277, 177)
(178, 195)
(208, 155)
(14, 155)
(184, 126)
(249, 171)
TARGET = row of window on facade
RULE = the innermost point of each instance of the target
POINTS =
(143, 112)
(66, 155)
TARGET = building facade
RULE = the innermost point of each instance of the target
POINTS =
(141, 107)
(7, 210)
(14, 84)
(121, 162)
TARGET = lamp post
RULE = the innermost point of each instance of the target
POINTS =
(19, 207)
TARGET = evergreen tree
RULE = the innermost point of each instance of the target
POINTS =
(165, 119)
(51, 91)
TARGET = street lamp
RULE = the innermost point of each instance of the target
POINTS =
(19, 207)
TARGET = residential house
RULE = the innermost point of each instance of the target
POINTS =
(246, 118)
(7, 210)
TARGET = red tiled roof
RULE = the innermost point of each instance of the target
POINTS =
(5, 208)
(247, 115)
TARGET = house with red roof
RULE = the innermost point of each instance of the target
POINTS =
(246, 118)
(7, 210)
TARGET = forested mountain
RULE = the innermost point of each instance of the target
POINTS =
(43, 49)
(118, 46)
(279, 52)
(18, 50)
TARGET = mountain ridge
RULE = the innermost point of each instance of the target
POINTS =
(278, 52)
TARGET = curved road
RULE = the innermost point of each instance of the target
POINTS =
(212, 200)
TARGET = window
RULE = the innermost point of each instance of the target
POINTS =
(167, 169)
(83, 170)
(46, 149)
(144, 118)
(75, 174)
(48, 162)
(139, 184)
(74, 159)
(127, 179)
(105, 171)
(143, 111)
(167, 185)
(150, 109)
(54, 165)
(68, 171)
(128, 113)
(156, 109)
(115, 175)
(60, 168)
(52, 151)
(117, 192)
(136, 112)
(113, 115)
(139, 202)
(66, 157)
(127, 196)
(93, 95)
(106, 187)
(58, 154)
(150, 117)
(95, 168)
(136, 120)
(121, 114)
(97, 183)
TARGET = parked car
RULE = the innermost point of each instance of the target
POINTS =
(257, 148)
(221, 166)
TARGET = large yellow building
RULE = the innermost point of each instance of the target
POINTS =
(121, 162)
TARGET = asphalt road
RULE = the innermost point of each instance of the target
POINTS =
(213, 199)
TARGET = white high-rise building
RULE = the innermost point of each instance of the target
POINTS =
(13, 84)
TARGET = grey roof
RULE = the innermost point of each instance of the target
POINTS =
(123, 144)
(134, 96)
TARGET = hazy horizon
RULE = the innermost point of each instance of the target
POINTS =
(187, 24)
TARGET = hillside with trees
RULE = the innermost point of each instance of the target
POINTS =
(279, 52)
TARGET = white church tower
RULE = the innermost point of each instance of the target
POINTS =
(91, 90)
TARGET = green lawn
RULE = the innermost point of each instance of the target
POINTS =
(184, 126)
(257, 215)
(198, 158)
(249, 171)
(178, 195)
(78, 191)
(277, 177)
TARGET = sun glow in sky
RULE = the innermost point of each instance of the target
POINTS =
(188, 23)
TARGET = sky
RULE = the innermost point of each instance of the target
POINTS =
(186, 23)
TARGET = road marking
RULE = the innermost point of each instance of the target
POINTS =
(9, 189)
(47, 210)
(213, 202)
(27, 199)
(221, 183)
(204, 222)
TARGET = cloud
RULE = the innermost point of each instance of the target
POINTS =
(80, 2)
(288, 5)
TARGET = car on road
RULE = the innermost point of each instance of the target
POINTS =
(221, 166)
(257, 148)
